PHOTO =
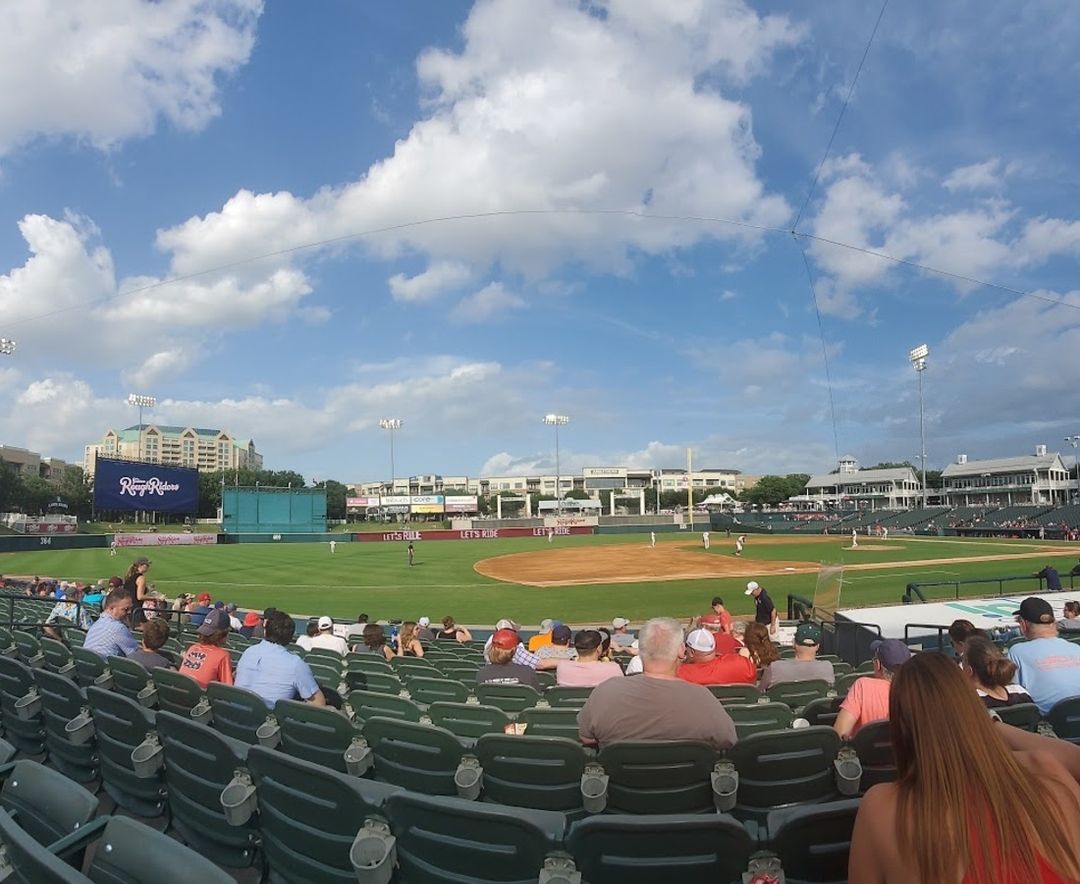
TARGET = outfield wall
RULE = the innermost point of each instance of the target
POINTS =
(58, 541)
(467, 534)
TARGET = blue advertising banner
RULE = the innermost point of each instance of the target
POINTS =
(128, 485)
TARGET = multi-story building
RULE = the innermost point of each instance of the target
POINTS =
(1042, 478)
(852, 488)
(198, 447)
(30, 463)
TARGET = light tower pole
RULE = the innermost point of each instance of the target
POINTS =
(917, 358)
(141, 402)
(1074, 441)
(391, 424)
(556, 421)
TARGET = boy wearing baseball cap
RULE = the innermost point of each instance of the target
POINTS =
(868, 698)
(1047, 666)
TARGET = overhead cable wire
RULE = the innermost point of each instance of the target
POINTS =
(824, 347)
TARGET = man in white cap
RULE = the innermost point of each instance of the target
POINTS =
(620, 638)
(701, 665)
(765, 611)
(423, 630)
(326, 638)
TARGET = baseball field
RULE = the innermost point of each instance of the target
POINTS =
(577, 579)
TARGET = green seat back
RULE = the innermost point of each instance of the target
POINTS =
(670, 776)
(46, 803)
(413, 664)
(529, 771)
(131, 852)
(317, 734)
(823, 711)
(326, 657)
(797, 694)
(176, 693)
(1064, 718)
(326, 676)
(783, 768)
(57, 656)
(551, 722)
(468, 720)
(813, 842)
(1025, 716)
(31, 862)
(698, 849)
(238, 713)
(88, 666)
(512, 698)
(450, 840)
(121, 725)
(16, 681)
(365, 704)
(735, 693)
(368, 663)
(74, 638)
(841, 668)
(199, 763)
(379, 682)
(129, 677)
(567, 697)
(309, 815)
(28, 645)
(753, 718)
(61, 701)
(436, 690)
(873, 743)
(463, 672)
(414, 756)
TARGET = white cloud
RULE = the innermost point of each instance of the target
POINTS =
(490, 302)
(164, 363)
(978, 176)
(438, 278)
(107, 71)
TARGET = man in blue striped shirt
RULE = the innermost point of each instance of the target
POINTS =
(110, 636)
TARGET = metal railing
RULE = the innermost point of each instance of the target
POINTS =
(916, 589)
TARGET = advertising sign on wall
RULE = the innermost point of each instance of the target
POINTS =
(129, 485)
(426, 500)
(359, 503)
(396, 500)
(427, 508)
(466, 534)
(461, 503)
(165, 539)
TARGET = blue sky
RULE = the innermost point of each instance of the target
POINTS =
(166, 147)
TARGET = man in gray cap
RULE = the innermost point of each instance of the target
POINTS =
(805, 666)
(1046, 665)
(868, 698)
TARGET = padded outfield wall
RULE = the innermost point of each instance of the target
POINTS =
(273, 511)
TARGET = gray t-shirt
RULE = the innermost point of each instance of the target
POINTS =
(781, 671)
(646, 708)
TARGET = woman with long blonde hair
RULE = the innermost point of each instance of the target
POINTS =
(408, 644)
(760, 645)
(964, 808)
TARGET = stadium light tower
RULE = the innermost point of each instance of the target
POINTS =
(917, 358)
(1074, 441)
(7, 346)
(556, 421)
(141, 402)
(391, 424)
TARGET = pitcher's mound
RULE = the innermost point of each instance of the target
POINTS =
(874, 547)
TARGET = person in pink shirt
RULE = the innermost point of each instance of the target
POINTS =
(587, 670)
(868, 698)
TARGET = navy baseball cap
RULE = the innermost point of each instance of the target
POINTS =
(892, 652)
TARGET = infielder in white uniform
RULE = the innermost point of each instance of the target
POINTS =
(739, 542)
(854, 538)
(884, 532)
(652, 539)
(705, 539)
(333, 547)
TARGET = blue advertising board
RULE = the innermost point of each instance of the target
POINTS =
(130, 485)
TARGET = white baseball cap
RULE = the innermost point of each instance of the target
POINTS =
(751, 587)
(619, 623)
(325, 623)
(424, 621)
(701, 640)
(507, 624)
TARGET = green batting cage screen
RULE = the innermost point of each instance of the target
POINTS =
(272, 510)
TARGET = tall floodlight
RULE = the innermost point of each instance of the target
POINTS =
(7, 346)
(1074, 441)
(141, 402)
(556, 421)
(917, 358)
(391, 424)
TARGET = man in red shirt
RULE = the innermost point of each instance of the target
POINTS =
(701, 665)
(725, 641)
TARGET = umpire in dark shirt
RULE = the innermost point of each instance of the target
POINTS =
(765, 611)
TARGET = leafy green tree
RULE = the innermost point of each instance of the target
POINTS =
(335, 498)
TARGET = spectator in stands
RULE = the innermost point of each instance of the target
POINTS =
(501, 668)
(135, 580)
(588, 670)
(726, 642)
(201, 609)
(326, 639)
(69, 611)
(408, 643)
(543, 637)
(805, 665)
(269, 670)
(1070, 622)
(452, 632)
(423, 630)
(964, 808)
(374, 642)
(207, 660)
(355, 631)
(761, 647)
(620, 636)
(720, 611)
(868, 698)
(110, 636)
(310, 632)
(252, 621)
(702, 665)
(605, 644)
(559, 647)
(656, 705)
(634, 666)
(992, 673)
(959, 632)
(235, 624)
(1052, 578)
(765, 611)
(154, 635)
(1047, 666)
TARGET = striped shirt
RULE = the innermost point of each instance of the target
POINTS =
(274, 674)
(109, 637)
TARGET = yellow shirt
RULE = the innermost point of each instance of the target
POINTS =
(538, 641)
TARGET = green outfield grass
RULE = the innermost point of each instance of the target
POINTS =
(375, 577)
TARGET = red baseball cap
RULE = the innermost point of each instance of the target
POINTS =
(204, 597)
(251, 619)
(506, 639)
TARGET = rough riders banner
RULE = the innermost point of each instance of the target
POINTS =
(130, 485)
(467, 534)
(165, 539)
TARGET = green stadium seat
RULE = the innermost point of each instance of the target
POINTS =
(451, 841)
(567, 697)
(29, 648)
(543, 773)
(317, 734)
(865, 668)
(365, 704)
(435, 690)
(1025, 716)
(401, 665)
(841, 668)
(692, 849)
(823, 711)
(542, 722)
(61, 701)
(326, 674)
(176, 693)
(873, 744)
(844, 682)
(784, 768)
(129, 677)
(735, 693)
(89, 667)
(325, 655)
(511, 698)
(121, 725)
(74, 638)
(47, 804)
(368, 663)
(1064, 718)
(545, 677)
(419, 757)
(753, 718)
(671, 776)
(58, 657)
(309, 816)
(463, 672)
(7, 643)
(238, 713)
(199, 763)
(381, 683)
(24, 726)
(468, 721)
(797, 694)
(813, 842)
